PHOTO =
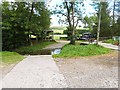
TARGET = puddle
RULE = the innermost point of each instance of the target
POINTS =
(50, 51)
(56, 51)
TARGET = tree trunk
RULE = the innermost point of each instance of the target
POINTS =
(113, 22)
(72, 39)
(73, 26)
(98, 31)
(114, 12)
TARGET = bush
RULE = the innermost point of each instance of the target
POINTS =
(12, 41)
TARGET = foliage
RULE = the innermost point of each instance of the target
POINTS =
(17, 27)
(90, 21)
(72, 13)
(11, 57)
(33, 50)
(69, 51)
(105, 19)
(115, 19)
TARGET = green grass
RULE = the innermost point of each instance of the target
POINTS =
(10, 57)
(81, 50)
(35, 49)
(108, 41)
(111, 41)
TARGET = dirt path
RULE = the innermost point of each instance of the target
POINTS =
(107, 45)
(60, 44)
(90, 72)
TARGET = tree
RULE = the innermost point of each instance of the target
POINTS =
(17, 27)
(115, 17)
(41, 19)
(104, 19)
(99, 23)
(72, 13)
(90, 21)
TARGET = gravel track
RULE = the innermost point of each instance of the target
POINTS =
(90, 72)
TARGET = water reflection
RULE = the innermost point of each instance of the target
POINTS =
(56, 51)
(49, 51)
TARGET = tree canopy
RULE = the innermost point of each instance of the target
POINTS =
(20, 20)
(73, 14)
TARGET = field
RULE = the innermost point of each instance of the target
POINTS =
(57, 37)
(59, 32)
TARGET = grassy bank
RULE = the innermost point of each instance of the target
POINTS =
(10, 57)
(114, 42)
(33, 50)
(81, 50)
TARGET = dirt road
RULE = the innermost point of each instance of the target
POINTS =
(90, 72)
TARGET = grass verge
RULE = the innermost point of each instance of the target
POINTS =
(10, 57)
(114, 42)
(81, 50)
(33, 50)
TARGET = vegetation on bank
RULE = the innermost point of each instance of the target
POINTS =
(18, 27)
(114, 42)
(69, 51)
(10, 57)
(33, 50)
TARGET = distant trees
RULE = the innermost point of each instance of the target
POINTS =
(109, 24)
(20, 20)
(102, 26)
(115, 19)
(105, 20)
(90, 21)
